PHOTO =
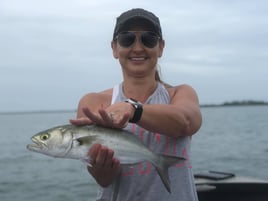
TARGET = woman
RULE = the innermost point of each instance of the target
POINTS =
(162, 116)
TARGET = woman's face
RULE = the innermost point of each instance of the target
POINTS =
(138, 59)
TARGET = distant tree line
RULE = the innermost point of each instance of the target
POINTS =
(245, 102)
(237, 103)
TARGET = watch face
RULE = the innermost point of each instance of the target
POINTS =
(133, 102)
(135, 105)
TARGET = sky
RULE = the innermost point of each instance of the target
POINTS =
(52, 52)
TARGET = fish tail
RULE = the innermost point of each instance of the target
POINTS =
(162, 165)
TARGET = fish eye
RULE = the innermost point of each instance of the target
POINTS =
(44, 136)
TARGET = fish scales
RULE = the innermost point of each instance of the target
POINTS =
(69, 141)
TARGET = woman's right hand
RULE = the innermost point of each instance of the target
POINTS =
(104, 167)
(82, 121)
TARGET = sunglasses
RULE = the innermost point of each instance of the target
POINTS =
(127, 38)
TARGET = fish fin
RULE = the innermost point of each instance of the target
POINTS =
(162, 165)
(85, 140)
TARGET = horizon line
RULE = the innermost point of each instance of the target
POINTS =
(224, 104)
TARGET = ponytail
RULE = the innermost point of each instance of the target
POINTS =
(157, 76)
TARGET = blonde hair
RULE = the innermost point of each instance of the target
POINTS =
(158, 73)
(158, 77)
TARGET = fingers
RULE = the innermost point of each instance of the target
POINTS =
(103, 118)
(107, 118)
(122, 122)
(115, 164)
(104, 157)
(93, 117)
(101, 156)
(93, 153)
(104, 167)
(80, 121)
(114, 120)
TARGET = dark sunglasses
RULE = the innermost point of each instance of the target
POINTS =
(147, 38)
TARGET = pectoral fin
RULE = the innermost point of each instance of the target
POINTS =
(85, 140)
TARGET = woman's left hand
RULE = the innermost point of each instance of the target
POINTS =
(109, 117)
(114, 116)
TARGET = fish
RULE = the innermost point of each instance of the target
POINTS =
(74, 142)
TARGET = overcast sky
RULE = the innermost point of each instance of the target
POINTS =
(52, 52)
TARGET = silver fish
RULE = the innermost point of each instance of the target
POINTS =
(69, 141)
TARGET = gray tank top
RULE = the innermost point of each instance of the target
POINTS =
(141, 182)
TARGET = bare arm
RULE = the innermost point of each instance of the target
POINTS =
(179, 118)
(182, 117)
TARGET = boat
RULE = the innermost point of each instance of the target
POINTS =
(223, 186)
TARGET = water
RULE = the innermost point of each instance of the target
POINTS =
(231, 139)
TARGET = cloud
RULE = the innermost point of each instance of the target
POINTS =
(56, 51)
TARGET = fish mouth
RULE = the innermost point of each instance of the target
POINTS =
(36, 146)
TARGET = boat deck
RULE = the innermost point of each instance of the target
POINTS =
(220, 186)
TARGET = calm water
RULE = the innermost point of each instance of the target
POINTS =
(233, 139)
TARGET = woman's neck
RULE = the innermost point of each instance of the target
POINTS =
(139, 89)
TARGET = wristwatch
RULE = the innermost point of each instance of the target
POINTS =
(138, 109)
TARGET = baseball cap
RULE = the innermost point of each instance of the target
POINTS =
(137, 14)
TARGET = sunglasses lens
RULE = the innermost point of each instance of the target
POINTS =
(149, 39)
(126, 39)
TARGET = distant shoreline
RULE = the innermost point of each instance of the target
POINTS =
(37, 112)
(237, 103)
(225, 104)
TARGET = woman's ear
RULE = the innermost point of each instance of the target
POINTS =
(161, 47)
(114, 48)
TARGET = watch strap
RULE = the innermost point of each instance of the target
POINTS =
(138, 110)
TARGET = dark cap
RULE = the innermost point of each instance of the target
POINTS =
(137, 13)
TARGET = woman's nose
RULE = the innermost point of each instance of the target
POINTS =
(137, 44)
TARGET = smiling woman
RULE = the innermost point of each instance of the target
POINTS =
(129, 33)
(163, 117)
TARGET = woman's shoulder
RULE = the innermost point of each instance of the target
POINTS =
(178, 90)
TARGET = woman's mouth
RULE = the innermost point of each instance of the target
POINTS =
(138, 58)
